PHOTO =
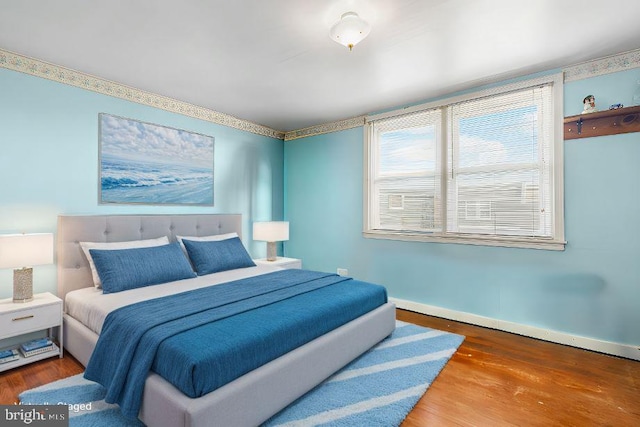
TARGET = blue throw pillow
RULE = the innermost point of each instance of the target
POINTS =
(123, 269)
(215, 256)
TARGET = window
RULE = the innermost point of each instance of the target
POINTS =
(481, 169)
(477, 210)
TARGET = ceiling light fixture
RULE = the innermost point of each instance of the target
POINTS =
(350, 30)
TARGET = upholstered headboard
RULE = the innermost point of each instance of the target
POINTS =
(73, 268)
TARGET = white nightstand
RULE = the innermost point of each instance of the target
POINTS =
(281, 262)
(44, 312)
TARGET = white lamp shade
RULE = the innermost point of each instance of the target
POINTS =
(350, 30)
(271, 231)
(26, 250)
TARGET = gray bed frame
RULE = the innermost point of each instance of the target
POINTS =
(250, 399)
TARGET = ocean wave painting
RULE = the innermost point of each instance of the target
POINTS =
(152, 164)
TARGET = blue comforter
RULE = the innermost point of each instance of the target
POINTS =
(202, 339)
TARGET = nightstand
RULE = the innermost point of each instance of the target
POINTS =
(44, 312)
(281, 262)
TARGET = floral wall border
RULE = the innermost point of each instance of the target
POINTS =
(325, 128)
(35, 67)
(597, 67)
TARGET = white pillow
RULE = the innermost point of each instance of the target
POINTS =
(214, 238)
(160, 241)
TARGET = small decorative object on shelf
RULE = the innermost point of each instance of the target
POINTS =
(616, 106)
(38, 346)
(589, 103)
(9, 355)
(32, 345)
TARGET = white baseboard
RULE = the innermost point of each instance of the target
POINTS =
(615, 349)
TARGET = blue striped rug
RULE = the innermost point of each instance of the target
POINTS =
(378, 389)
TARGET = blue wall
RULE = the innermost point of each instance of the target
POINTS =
(591, 289)
(49, 163)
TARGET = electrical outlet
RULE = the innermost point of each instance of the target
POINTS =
(343, 272)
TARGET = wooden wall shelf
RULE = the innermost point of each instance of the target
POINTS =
(608, 122)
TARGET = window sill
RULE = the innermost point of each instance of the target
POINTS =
(524, 243)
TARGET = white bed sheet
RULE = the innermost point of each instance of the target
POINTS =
(91, 307)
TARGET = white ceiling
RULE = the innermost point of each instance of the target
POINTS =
(272, 62)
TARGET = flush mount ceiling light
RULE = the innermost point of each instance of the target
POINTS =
(350, 30)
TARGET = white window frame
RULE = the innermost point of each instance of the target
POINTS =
(556, 242)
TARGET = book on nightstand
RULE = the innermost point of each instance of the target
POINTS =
(9, 355)
(34, 347)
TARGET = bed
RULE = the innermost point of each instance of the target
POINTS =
(247, 400)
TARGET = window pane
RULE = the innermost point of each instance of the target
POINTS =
(416, 211)
(498, 160)
(407, 179)
(505, 137)
(499, 203)
(407, 151)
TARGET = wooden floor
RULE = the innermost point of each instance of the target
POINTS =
(502, 379)
(495, 379)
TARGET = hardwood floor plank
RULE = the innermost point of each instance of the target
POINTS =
(495, 379)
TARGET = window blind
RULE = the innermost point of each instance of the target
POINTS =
(406, 190)
(499, 164)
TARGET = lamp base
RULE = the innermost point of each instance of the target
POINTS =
(272, 251)
(23, 284)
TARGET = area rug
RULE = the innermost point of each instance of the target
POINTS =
(378, 389)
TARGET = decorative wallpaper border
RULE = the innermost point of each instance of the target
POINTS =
(598, 67)
(35, 67)
(325, 128)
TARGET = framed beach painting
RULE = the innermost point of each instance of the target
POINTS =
(152, 164)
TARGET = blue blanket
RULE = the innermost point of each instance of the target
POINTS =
(131, 336)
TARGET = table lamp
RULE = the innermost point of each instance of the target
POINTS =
(21, 252)
(271, 232)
